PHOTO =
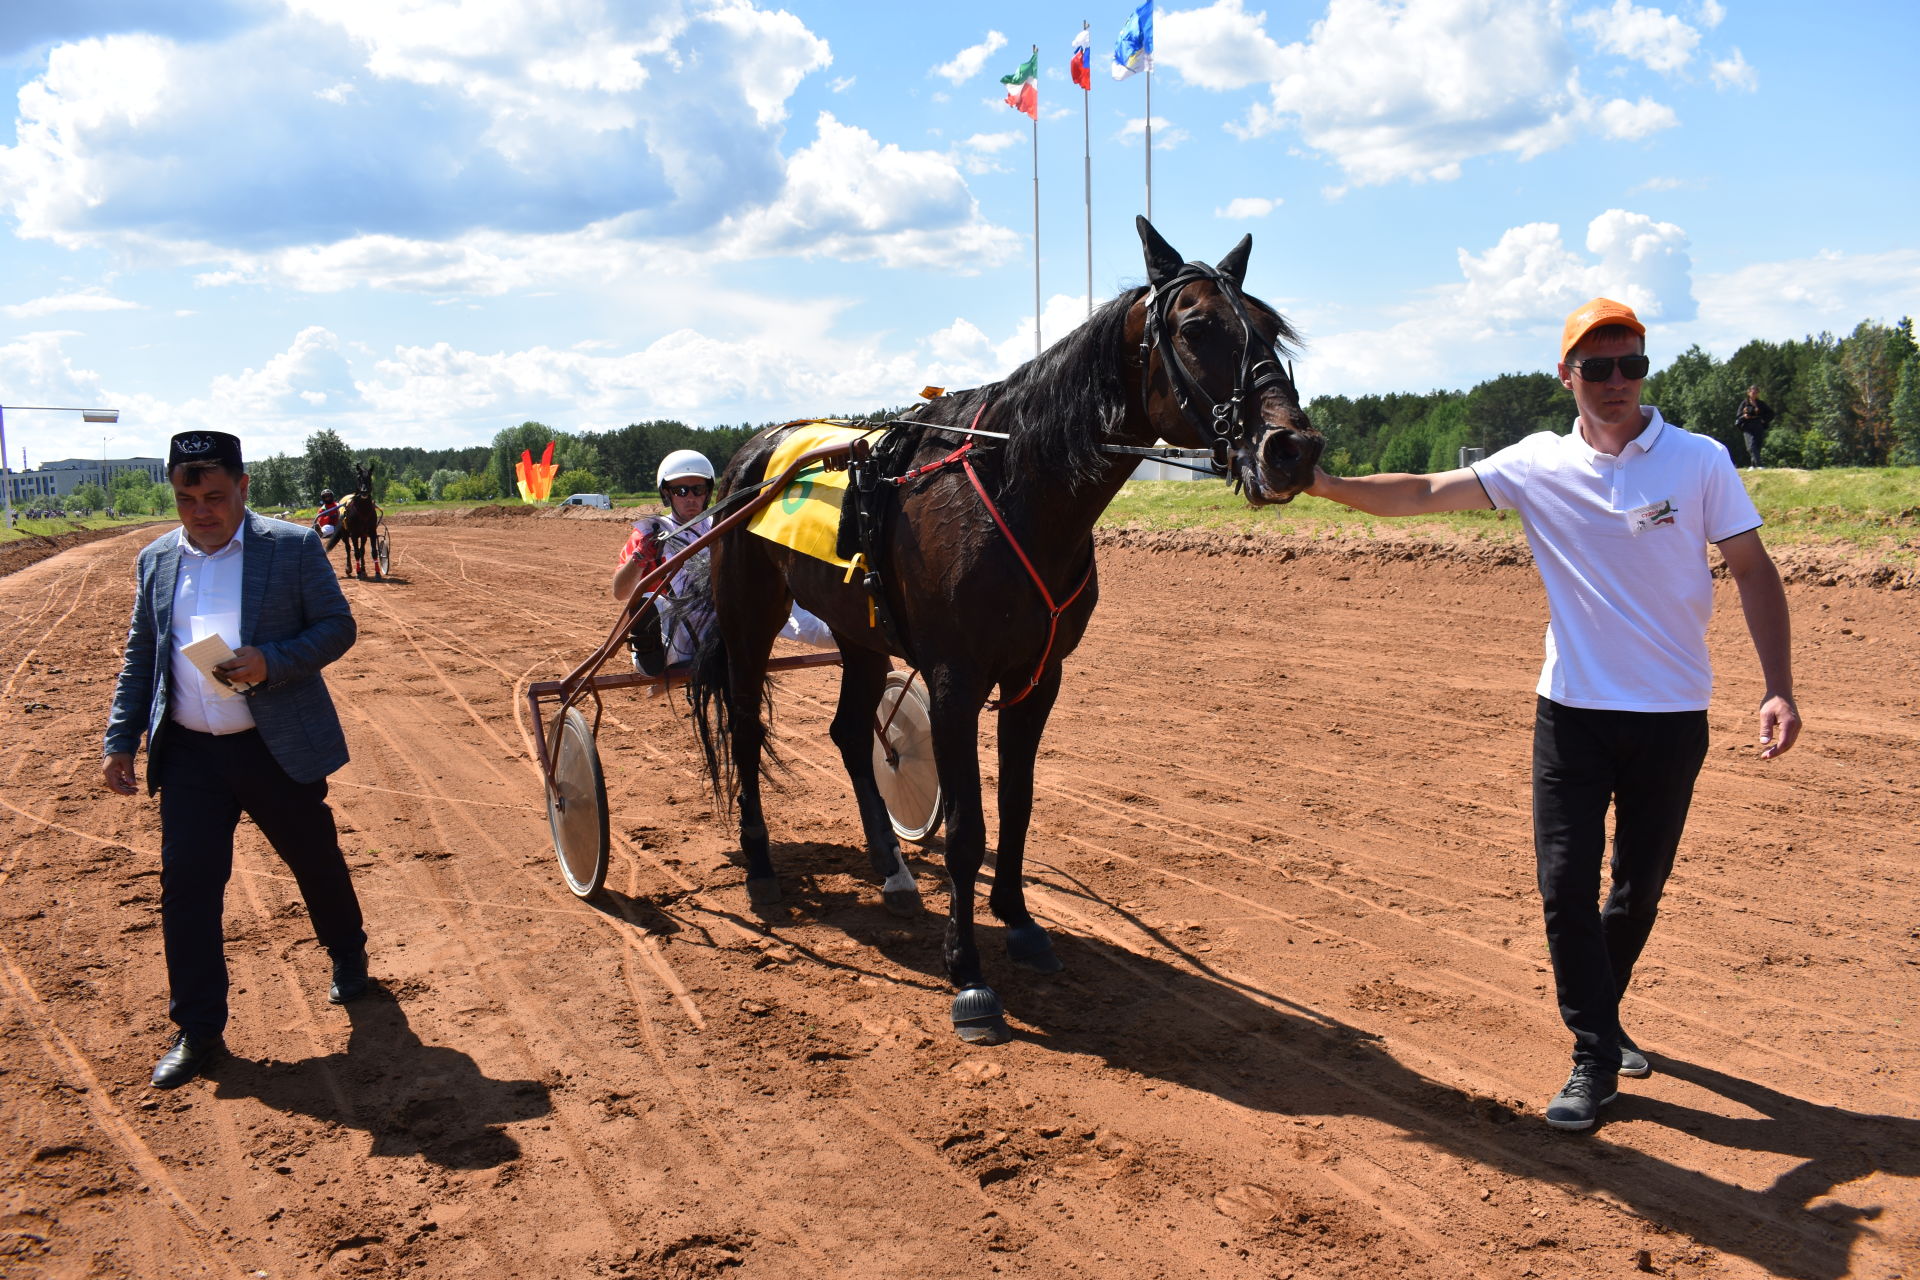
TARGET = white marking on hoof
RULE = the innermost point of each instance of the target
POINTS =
(900, 881)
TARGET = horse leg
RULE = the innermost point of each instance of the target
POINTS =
(863, 675)
(1020, 728)
(750, 611)
(978, 1015)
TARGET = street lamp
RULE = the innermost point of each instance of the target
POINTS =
(86, 415)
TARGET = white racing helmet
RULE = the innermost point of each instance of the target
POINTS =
(683, 464)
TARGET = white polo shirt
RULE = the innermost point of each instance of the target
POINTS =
(206, 601)
(1621, 545)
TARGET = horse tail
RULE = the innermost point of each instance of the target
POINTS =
(708, 696)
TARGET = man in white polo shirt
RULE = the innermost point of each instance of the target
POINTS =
(1619, 513)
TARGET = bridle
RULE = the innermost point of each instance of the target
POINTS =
(1238, 417)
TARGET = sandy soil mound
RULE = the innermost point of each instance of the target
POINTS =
(1281, 840)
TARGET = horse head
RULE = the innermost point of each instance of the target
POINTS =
(363, 480)
(1215, 373)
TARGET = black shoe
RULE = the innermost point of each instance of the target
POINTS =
(1633, 1062)
(190, 1056)
(1578, 1103)
(349, 977)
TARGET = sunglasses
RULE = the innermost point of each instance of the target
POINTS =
(688, 490)
(1600, 368)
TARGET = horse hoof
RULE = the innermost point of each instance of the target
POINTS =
(978, 1017)
(1029, 947)
(763, 893)
(904, 903)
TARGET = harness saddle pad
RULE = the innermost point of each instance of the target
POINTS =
(806, 515)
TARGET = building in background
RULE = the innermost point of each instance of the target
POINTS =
(52, 481)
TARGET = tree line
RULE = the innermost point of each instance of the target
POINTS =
(1851, 401)
(1838, 402)
(619, 461)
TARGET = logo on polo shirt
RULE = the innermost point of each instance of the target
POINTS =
(1640, 519)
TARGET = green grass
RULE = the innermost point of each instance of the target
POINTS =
(59, 525)
(1874, 510)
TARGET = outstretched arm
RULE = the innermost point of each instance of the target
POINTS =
(1764, 601)
(1400, 494)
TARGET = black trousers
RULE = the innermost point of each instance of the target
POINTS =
(206, 783)
(1644, 765)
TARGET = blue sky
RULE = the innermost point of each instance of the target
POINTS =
(418, 222)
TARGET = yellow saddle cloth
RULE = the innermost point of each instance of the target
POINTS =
(806, 515)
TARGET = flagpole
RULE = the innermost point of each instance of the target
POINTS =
(1149, 137)
(1086, 160)
(1036, 225)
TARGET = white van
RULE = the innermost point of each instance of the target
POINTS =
(600, 500)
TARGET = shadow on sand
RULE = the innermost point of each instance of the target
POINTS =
(1186, 1024)
(410, 1097)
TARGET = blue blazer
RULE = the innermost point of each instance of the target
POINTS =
(291, 609)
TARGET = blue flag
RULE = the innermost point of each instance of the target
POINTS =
(1134, 50)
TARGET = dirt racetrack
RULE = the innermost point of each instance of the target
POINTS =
(1281, 838)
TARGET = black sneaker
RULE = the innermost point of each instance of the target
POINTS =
(1633, 1062)
(1578, 1103)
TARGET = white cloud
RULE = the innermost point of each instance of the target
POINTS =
(1220, 47)
(1626, 121)
(85, 300)
(1663, 184)
(1734, 73)
(1660, 40)
(1506, 311)
(1829, 291)
(528, 120)
(1393, 91)
(311, 373)
(36, 370)
(966, 64)
(849, 196)
(1247, 207)
(1712, 13)
(1166, 135)
(840, 84)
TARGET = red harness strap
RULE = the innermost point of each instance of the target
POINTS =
(1053, 610)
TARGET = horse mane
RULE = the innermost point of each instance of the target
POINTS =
(1060, 406)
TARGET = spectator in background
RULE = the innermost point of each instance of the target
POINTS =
(1753, 417)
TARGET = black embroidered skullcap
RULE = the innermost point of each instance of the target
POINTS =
(216, 447)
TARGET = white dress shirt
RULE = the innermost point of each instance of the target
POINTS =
(206, 601)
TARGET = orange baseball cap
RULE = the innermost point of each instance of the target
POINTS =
(1591, 315)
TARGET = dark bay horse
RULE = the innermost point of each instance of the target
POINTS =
(360, 521)
(988, 571)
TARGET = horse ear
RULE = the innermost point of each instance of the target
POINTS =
(1163, 264)
(1234, 265)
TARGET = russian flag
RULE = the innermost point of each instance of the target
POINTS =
(1081, 67)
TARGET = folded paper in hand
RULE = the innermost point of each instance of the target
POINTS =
(207, 653)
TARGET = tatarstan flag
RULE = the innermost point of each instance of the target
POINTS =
(1023, 90)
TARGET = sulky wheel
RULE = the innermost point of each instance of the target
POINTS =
(382, 552)
(577, 804)
(903, 757)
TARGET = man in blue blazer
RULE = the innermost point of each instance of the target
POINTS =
(259, 737)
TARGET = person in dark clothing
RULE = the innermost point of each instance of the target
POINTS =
(256, 734)
(1753, 416)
